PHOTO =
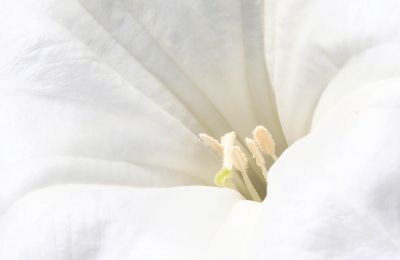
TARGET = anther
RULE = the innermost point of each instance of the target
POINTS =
(265, 141)
(213, 144)
(256, 153)
(239, 159)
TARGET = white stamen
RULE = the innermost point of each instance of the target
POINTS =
(227, 142)
(240, 163)
(256, 153)
(234, 172)
(239, 159)
(265, 141)
(213, 144)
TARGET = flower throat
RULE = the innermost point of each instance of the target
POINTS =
(249, 176)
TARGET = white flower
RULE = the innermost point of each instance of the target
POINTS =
(102, 102)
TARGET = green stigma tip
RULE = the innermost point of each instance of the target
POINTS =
(221, 176)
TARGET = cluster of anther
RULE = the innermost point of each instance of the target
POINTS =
(238, 172)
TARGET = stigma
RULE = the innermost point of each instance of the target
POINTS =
(243, 167)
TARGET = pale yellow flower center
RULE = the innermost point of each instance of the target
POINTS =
(247, 175)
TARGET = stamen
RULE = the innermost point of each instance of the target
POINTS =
(213, 144)
(265, 141)
(239, 159)
(235, 173)
(240, 163)
(227, 142)
(256, 153)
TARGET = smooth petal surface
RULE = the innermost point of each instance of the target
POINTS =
(99, 222)
(334, 194)
(117, 91)
(311, 43)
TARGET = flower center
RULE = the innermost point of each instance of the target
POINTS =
(249, 176)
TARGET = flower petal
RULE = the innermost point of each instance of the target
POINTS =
(334, 194)
(126, 86)
(309, 42)
(98, 222)
(208, 56)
